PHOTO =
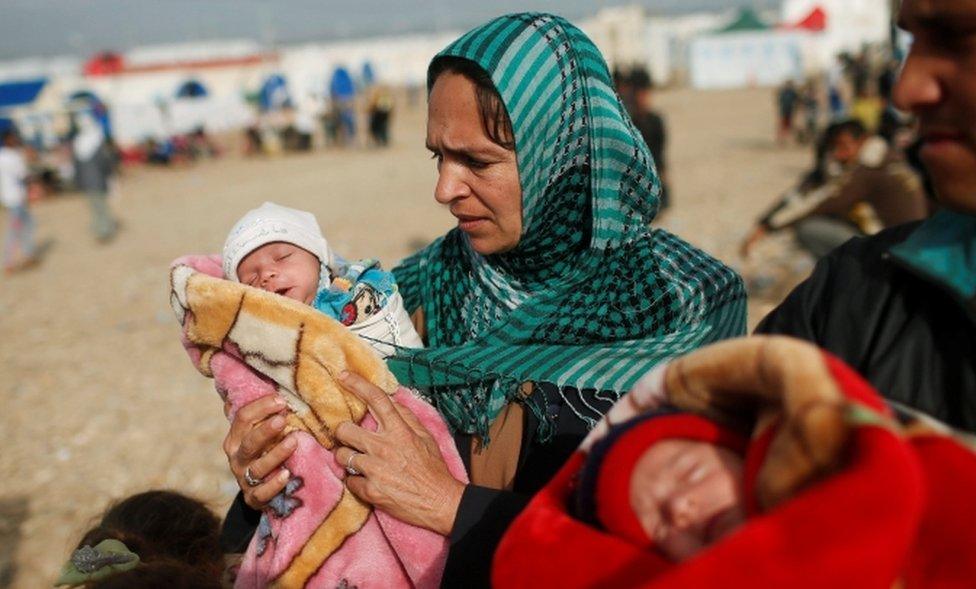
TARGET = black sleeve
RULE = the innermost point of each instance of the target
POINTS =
(238, 526)
(802, 313)
(482, 518)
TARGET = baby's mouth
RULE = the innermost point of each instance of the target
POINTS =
(714, 527)
(283, 291)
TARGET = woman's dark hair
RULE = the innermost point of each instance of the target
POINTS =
(494, 117)
(163, 526)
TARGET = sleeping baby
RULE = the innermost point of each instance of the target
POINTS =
(282, 250)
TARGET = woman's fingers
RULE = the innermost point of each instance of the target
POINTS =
(359, 486)
(411, 420)
(273, 459)
(361, 462)
(349, 434)
(247, 417)
(259, 440)
(259, 496)
(380, 404)
(256, 411)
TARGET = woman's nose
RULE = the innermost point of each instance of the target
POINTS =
(918, 86)
(450, 185)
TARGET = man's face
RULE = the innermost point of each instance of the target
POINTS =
(845, 148)
(938, 84)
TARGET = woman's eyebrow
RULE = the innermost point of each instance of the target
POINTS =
(465, 150)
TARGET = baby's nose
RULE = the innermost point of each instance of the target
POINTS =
(682, 511)
(268, 278)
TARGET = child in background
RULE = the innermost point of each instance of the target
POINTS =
(19, 249)
(282, 250)
(152, 539)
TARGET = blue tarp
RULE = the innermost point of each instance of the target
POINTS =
(192, 89)
(21, 92)
(342, 87)
(274, 93)
(94, 104)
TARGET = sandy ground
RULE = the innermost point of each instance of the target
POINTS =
(97, 399)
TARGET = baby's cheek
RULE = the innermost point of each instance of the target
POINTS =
(680, 545)
(646, 511)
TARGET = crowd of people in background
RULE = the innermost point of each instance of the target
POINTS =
(85, 160)
(866, 174)
(346, 121)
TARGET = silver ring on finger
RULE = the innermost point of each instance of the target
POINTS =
(350, 469)
(250, 479)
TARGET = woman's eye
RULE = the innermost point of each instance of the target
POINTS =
(475, 163)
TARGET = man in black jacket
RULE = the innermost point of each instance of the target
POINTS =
(900, 307)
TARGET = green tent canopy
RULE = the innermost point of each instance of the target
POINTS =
(746, 20)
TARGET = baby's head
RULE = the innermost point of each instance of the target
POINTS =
(673, 482)
(280, 250)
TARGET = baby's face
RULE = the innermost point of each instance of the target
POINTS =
(282, 268)
(687, 495)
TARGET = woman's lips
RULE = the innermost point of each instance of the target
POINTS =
(469, 224)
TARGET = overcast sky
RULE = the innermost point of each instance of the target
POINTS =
(82, 27)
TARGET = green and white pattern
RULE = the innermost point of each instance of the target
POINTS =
(592, 297)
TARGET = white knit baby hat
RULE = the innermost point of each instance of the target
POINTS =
(269, 223)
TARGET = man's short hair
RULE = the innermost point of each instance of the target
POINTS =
(852, 127)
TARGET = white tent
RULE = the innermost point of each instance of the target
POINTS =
(748, 58)
(850, 25)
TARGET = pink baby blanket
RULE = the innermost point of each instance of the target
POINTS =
(315, 533)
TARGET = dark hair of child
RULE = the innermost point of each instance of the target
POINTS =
(175, 536)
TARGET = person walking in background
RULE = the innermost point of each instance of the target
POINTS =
(786, 101)
(810, 99)
(380, 112)
(652, 128)
(19, 250)
(94, 166)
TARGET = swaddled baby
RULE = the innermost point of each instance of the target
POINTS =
(282, 250)
(669, 481)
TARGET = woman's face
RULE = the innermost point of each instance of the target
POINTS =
(687, 495)
(477, 178)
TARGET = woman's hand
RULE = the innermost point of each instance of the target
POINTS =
(401, 468)
(254, 442)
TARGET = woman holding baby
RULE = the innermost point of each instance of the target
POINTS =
(550, 299)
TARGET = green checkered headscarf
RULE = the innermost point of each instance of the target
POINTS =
(591, 297)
